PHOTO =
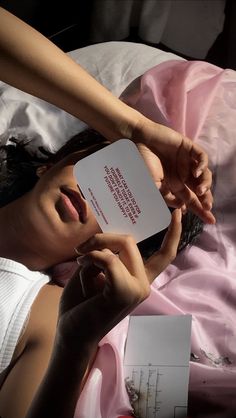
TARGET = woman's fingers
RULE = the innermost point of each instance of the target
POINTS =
(73, 293)
(200, 205)
(201, 158)
(104, 260)
(91, 278)
(201, 183)
(123, 245)
(162, 258)
(201, 187)
(113, 267)
(192, 180)
(204, 182)
(206, 200)
(119, 285)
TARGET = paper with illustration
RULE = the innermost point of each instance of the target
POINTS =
(156, 365)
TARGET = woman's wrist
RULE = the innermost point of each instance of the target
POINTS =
(122, 124)
(144, 131)
(74, 361)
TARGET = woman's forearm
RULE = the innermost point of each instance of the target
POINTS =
(60, 389)
(32, 63)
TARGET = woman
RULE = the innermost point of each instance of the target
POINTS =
(32, 63)
(56, 341)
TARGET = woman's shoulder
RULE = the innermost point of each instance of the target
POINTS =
(41, 323)
(42, 319)
(32, 353)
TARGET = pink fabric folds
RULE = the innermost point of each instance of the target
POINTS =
(199, 100)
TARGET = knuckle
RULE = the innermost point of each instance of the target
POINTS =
(129, 240)
(146, 292)
(106, 251)
(143, 292)
(95, 237)
(111, 259)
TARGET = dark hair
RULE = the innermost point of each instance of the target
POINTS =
(18, 176)
(192, 226)
(18, 166)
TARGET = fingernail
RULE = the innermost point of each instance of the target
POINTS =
(198, 173)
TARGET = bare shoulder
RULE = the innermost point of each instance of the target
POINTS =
(32, 354)
(42, 321)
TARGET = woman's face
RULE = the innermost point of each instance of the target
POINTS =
(61, 217)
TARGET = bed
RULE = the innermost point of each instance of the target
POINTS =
(197, 99)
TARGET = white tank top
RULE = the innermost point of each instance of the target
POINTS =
(19, 287)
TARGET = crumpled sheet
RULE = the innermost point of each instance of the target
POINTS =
(199, 100)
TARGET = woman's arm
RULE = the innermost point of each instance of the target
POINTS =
(46, 377)
(32, 354)
(32, 63)
(103, 291)
(62, 383)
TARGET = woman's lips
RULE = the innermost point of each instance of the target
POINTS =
(73, 205)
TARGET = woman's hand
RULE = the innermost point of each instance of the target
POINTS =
(110, 282)
(179, 165)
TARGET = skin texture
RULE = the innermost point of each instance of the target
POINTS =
(32, 354)
(61, 339)
(38, 232)
(50, 232)
(32, 63)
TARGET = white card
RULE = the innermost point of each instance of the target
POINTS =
(116, 183)
(156, 364)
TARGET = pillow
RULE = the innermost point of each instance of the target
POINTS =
(113, 64)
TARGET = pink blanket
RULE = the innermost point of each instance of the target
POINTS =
(199, 100)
